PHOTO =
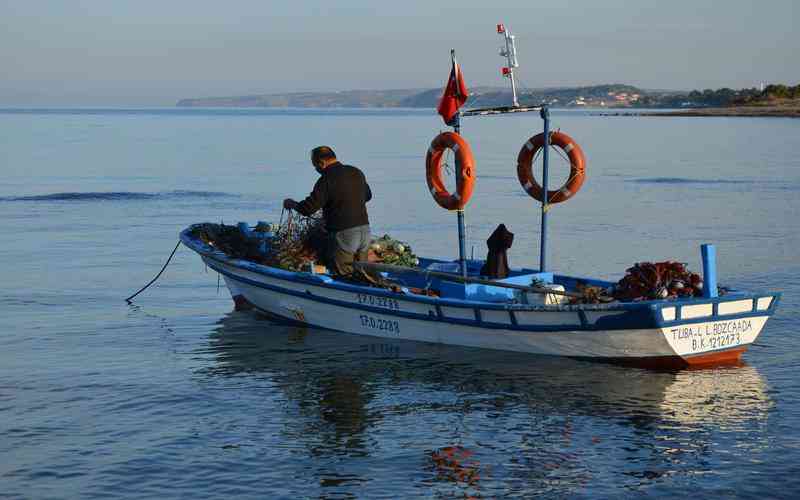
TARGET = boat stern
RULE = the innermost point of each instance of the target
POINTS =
(714, 331)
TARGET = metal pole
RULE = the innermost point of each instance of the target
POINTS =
(461, 244)
(511, 58)
(462, 250)
(709, 254)
(545, 114)
(514, 100)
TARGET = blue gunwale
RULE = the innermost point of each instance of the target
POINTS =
(643, 314)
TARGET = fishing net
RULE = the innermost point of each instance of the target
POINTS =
(291, 246)
(590, 294)
(646, 281)
(230, 240)
(295, 243)
(659, 280)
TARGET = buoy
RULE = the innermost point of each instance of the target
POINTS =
(465, 170)
(577, 168)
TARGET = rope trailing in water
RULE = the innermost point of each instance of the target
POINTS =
(128, 300)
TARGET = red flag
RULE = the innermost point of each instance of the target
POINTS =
(455, 95)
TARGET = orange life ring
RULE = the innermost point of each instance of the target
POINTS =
(577, 167)
(465, 170)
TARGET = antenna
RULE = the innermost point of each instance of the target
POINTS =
(510, 53)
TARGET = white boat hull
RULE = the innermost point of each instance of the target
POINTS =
(543, 330)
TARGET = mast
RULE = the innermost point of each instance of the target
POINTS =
(510, 53)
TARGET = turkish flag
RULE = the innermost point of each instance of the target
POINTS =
(455, 95)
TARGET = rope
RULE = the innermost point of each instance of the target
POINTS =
(446, 164)
(561, 154)
(548, 206)
(128, 300)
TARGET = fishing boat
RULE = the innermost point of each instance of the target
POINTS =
(527, 310)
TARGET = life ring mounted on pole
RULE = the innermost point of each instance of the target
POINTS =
(465, 170)
(577, 167)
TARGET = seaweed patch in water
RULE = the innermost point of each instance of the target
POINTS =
(118, 196)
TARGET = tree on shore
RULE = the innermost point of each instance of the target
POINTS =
(782, 91)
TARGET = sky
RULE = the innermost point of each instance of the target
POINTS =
(153, 53)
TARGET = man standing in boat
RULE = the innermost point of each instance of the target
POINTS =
(342, 193)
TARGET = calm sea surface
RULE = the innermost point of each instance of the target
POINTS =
(180, 396)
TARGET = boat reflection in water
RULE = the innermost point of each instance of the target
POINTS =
(479, 420)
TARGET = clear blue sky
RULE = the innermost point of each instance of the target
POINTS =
(145, 52)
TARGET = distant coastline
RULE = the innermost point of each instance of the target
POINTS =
(773, 100)
(607, 95)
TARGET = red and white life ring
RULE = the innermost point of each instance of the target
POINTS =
(465, 170)
(577, 168)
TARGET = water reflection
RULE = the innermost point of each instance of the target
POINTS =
(484, 421)
(724, 397)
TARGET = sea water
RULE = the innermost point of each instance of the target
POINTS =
(177, 395)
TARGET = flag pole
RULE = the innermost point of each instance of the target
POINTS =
(462, 247)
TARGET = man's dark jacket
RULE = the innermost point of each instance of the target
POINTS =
(342, 193)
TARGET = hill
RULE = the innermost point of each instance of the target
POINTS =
(600, 96)
(343, 99)
(423, 98)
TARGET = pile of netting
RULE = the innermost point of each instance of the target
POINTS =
(297, 243)
(230, 240)
(294, 244)
(659, 280)
(590, 294)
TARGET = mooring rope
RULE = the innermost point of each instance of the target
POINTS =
(289, 221)
(128, 300)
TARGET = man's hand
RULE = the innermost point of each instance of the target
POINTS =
(289, 204)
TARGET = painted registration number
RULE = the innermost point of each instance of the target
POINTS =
(711, 336)
(379, 324)
(372, 300)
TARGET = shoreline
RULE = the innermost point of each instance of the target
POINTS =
(741, 111)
